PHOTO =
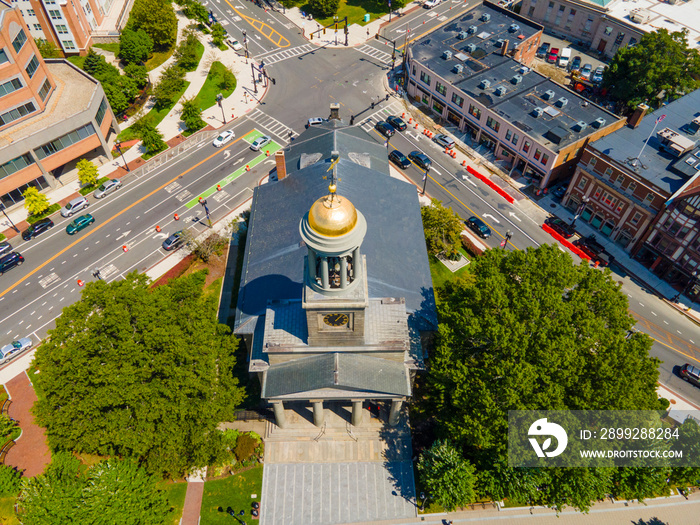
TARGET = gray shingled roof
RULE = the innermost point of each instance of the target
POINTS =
(347, 372)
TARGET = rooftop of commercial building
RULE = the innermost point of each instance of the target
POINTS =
(672, 154)
(73, 93)
(545, 110)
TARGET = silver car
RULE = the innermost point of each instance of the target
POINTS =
(15, 347)
(5, 247)
(260, 143)
(74, 206)
(107, 188)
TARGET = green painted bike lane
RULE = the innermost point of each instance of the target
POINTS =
(272, 147)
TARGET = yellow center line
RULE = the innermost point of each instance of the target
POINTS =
(94, 230)
(261, 26)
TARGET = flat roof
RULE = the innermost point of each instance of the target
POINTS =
(656, 165)
(513, 90)
(74, 90)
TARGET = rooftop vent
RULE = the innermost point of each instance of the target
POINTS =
(485, 84)
(514, 28)
(694, 125)
(517, 79)
(580, 126)
(524, 70)
(537, 112)
(470, 48)
(471, 30)
(548, 94)
(599, 122)
(459, 69)
(499, 43)
(447, 55)
(560, 103)
(485, 17)
(501, 90)
(462, 35)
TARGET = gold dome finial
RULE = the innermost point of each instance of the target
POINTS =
(332, 215)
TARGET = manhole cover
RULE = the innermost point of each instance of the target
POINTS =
(552, 206)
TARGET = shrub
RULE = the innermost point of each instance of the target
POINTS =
(135, 46)
(9, 481)
(470, 246)
(324, 8)
(137, 73)
(245, 447)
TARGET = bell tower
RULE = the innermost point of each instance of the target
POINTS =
(335, 277)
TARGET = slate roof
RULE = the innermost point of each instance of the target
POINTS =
(656, 165)
(397, 261)
(344, 372)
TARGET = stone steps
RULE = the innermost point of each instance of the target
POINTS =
(331, 451)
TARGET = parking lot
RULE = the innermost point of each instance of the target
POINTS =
(559, 74)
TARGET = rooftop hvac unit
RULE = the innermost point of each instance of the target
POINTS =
(470, 48)
(501, 90)
(499, 43)
(447, 55)
(459, 68)
(462, 35)
(485, 84)
(537, 112)
(599, 122)
(548, 94)
(514, 28)
(471, 30)
(580, 125)
(524, 70)
(517, 79)
(485, 17)
(560, 103)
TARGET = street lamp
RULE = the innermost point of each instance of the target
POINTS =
(203, 202)
(5, 214)
(688, 286)
(580, 210)
(118, 145)
(423, 497)
(219, 100)
(335, 19)
(509, 235)
(425, 179)
(245, 43)
(255, 83)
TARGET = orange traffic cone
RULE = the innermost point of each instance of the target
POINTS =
(80, 283)
(125, 248)
(176, 217)
(218, 187)
(157, 228)
(247, 167)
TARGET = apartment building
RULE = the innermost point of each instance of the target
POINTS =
(473, 73)
(52, 113)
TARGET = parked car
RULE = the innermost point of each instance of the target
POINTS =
(586, 71)
(234, 44)
(37, 229)
(420, 159)
(560, 191)
(224, 138)
(74, 206)
(260, 142)
(9, 261)
(598, 75)
(5, 247)
(396, 122)
(80, 223)
(543, 50)
(429, 4)
(553, 55)
(444, 141)
(174, 241)
(479, 227)
(561, 227)
(564, 57)
(591, 247)
(315, 121)
(385, 129)
(575, 64)
(107, 188)
(691, 374)
(15, 347)
(399, 159)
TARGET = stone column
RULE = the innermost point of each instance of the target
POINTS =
(356, 263)
(311, 263)
(344, 272)
(324, 273)
(318, 412)
(103, 142)
(280, 420)
(395, 412)
(356, 412)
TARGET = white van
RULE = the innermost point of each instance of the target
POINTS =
(564, 57)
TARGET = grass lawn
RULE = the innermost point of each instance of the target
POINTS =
(441, 274)
(113, 47)
(158, 58)
(355, 11)
(176, 498)
(77, 61)
(210, 88)
(233, 491)
(7, 511)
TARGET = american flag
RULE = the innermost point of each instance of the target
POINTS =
(660, 118)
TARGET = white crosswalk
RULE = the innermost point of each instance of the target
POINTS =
(286, 54)
(375, 53)
(271, 124)
(393, 108)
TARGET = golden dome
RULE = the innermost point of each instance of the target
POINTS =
(332, 215)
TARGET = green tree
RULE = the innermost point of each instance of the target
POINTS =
(138, 73)
(152, 138)
(139, 373)
(187, 53)
(116, 97)
(135, 46)
(217, 34)
(450, 477)
(169, 86)
(9, 480)
(228, 79)
(35, 203)
(7, 425)
(661, 66)
(192, 114)
(87, 172)
(47, 49)
(194, 10)
(93, 62)
(157, 18)
(324, 8)
(442, 228)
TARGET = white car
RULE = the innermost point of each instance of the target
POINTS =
(107, 188)
(224, 138)
(74, 206)
(235, 44)
(315, 121)
(598, 74)
(15, 347)
(429, 4)
(260, 142)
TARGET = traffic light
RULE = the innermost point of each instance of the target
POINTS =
(376, 37)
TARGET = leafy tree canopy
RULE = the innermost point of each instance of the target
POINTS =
(157, 18)
(324, 8)
(47, 49)
(449, 476)
(187, 53)
(192, 114)
(660, 62)
(35, 203)
(139, 373)
(87, 172)
(169, 86)
(135, 46)
(217, 34)
(442, 228)
(138, 73)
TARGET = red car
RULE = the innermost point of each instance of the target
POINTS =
(553, 55)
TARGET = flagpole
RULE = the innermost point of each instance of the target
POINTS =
(636, 160)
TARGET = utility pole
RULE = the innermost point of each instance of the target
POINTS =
(425, 180)
(335, 19)
(255, 82)
(219, 100)
(118, 145)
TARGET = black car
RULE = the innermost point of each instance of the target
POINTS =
(399, 159)
(421, 159)
(174, 241)
(37, 228)
(385, 129)
(396, 123)
(9, 261)
(543, 50)
(5, 247)
(561, 227)
(477, 226)
(559, 191)
(591, 247)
